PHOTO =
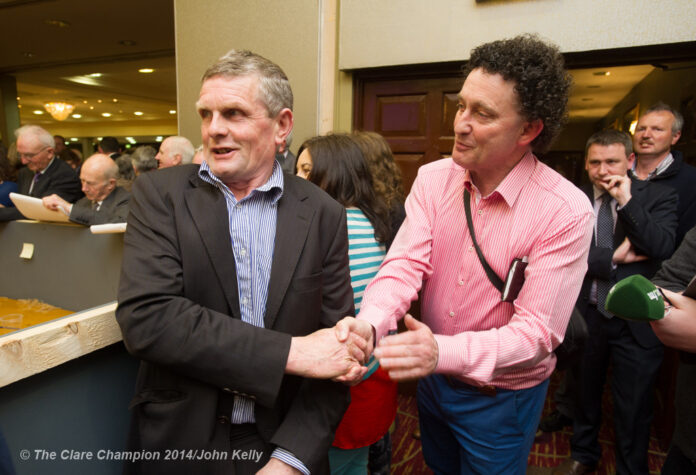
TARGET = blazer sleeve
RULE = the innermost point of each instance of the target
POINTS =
(649, 220)
(114, 209)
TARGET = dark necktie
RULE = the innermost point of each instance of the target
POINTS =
(605, 239)
(33, 183)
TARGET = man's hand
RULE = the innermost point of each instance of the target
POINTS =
(619, 187)
(352, 328)
(56, 203)
(321, 355)
(277, 466)
(409, 355)
(626, 254)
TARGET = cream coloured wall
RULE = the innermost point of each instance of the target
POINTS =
(388, 32)
(286, 32)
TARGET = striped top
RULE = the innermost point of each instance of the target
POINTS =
(365, 254)
(533, 213)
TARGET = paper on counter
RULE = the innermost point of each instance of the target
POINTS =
(33, 208)
(108, 228)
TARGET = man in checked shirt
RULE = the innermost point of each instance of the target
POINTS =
(484, 363)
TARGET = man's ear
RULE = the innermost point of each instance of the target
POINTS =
(284, 123)
(530, 131)
(675, 137)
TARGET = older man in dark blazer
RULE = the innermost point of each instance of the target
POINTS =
(635, 227)
(232, 276)
(104, 202)
(44, 174)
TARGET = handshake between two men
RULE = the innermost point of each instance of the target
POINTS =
(339, 353)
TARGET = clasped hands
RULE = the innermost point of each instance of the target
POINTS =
(340, 353)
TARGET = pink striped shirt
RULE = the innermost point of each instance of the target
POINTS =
(533, 212)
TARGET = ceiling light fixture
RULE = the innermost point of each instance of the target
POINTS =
(159, 138)
(38, 112)
(146, 70)
(59, 110)
(77, 116)
(137, 113)
(95, 75)
(106, 114)
(601, 73)
(172, 112)
(131, 140)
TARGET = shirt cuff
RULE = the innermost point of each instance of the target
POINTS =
(379, 320)
(287, 457)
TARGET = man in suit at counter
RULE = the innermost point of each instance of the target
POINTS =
(43, 174)
(228, 311)
(104, 202)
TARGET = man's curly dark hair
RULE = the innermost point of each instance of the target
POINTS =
(541, 81)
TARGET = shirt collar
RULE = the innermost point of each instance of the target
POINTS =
(273, 187)
(514, 181)
(664, 165)
(47, 166)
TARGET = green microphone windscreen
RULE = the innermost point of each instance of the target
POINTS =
(635, 298)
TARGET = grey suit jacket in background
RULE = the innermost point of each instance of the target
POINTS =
(179, 313)
(114, 209)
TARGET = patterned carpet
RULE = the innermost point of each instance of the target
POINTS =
(548, 451)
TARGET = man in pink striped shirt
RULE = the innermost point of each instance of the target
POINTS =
(484, 363)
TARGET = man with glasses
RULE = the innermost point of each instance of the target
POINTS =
(43, 174)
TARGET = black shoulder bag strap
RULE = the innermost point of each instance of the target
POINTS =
(492, 276)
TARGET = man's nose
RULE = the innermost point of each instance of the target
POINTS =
(216, 125)
(462, 123)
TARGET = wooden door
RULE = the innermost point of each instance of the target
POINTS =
(415, 115)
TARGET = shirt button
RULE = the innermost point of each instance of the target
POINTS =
(480, 212)
(461, 282)
(451, 314)
(471, 248)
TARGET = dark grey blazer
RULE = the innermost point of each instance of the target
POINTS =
(179, 312)
(114, 209)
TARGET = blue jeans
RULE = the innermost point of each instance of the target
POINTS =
(464, 431)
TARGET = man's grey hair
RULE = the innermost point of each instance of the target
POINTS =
(678, 118)
(41, 134)
(182, 146)
(144, 158)
(274, 86)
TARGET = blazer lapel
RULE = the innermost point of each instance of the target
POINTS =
(295, 214)
(208, 211)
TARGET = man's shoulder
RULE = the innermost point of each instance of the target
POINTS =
(442, 166)
(301, 190)
(559, 190)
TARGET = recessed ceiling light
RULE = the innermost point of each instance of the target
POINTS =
(19, 106)
(138, 113)
(84, 102)
(99, 101)
(91, 108)
(115, 100)
(159, 138)
(19, 98)
(95, 75)
(172, 112)
(146, 70)
(77, 116)
(601, 73)
(131, 140)
(38, 112)
(106, 114)
(74, 139)
(57, 23)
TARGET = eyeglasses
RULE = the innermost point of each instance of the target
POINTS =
(30, 156)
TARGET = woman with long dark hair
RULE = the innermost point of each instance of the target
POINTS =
(7, 179)
(336, 164)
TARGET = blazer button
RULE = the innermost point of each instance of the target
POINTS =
(223, 419)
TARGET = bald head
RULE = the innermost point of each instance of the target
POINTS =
(98, 176)
(175, 150)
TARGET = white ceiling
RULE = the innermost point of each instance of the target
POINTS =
(116, 38)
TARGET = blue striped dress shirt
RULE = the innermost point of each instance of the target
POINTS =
(252, 223)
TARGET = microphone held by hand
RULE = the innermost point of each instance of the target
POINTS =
(636, 298)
